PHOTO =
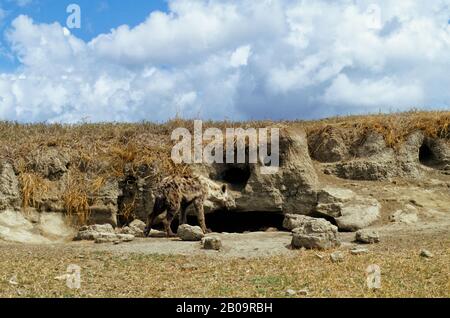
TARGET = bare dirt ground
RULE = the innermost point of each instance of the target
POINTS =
(259, 264)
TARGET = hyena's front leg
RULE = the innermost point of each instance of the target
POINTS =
(150, 221)
(198, 204)
(168, 222)
(158, 208)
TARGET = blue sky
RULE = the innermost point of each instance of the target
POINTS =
(221, 59)
(98, 16)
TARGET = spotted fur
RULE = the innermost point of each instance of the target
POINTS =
(174, 195)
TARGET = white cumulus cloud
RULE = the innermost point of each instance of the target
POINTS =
(235, 60)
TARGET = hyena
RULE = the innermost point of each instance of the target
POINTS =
(174, 195)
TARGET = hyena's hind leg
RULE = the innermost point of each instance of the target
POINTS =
(198, 204)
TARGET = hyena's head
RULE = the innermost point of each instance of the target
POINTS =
(217, 195)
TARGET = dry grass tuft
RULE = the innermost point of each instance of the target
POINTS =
(393, 127)
(75, 198)
(33, 188)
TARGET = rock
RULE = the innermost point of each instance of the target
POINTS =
(315, 234)
(92, 232)
(113, 238)
(52, 163)
(293, 189)
(374, 145)
(303, 292)
(125, 237)
(337, 257)
(367, 236)
(358, 251)
(136, 228)
(9, 188)
(291, 292)
(408, 215)
(350, 211)
(105, 238)
(375, 161)
(190, 233)
(138, 224)
(105, 208)
(426, 253)
(370, 169)
(293, 221)
(13, 280)
(212, 243)
(328, 145)
(34, 228)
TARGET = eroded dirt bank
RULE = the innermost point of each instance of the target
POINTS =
(389, 174)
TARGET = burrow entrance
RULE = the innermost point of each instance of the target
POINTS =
(238, 222)
(426, 156)
(235, 175)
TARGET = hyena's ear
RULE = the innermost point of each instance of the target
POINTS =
(224, 188)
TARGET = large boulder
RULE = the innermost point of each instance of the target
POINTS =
(351, 212)
(315, 234)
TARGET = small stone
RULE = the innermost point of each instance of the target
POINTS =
(212, 243)
(13, 280)
(358, 251)
(190, 233)
(426, 253)
(367, 236)
(62, 277)
(303, 292)
(337, 257)
(291, 292)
